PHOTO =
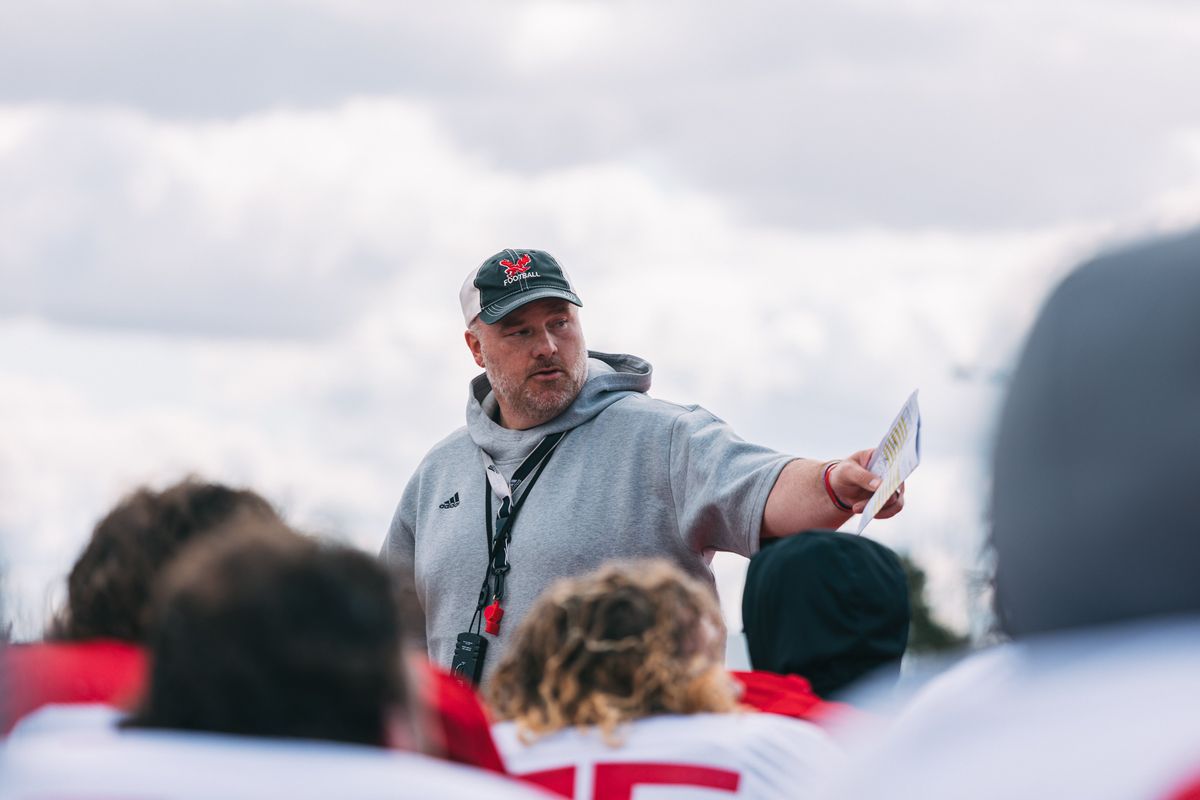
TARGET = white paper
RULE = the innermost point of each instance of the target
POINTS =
(898, 454)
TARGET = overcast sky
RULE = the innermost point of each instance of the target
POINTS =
(232, 233)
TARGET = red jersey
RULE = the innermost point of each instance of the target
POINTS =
(97, 671)
(113, 672)
(791, 696)
(461, 721)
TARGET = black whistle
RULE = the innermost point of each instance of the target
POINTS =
(469, 652)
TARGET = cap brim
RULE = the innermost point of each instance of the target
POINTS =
(498, 311)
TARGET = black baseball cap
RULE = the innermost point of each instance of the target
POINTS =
(509, 280)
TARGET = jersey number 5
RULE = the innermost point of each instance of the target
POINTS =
(616, 781)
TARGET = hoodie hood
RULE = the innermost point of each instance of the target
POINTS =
(610, 378)
(830, 607)
(1093, 519)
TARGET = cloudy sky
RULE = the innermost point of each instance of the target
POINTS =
(232, 233)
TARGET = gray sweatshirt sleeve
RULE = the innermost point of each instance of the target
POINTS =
(720, 484)
(399, 554)
(399, 547)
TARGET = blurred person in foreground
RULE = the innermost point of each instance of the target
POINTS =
(277, 669)
(569, 440)
(1097, 549)
(822, 611)
(94, 648)
(95, 652)
(614, 683)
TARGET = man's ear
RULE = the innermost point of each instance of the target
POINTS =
(474, 346)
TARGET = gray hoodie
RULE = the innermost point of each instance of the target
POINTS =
(634, 477)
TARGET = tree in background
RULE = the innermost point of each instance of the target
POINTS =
(926, 634)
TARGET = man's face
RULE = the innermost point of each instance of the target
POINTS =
(535, 358)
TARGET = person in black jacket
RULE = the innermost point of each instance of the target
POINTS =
(828, 607)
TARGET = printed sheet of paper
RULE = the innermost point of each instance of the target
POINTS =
(895, 458)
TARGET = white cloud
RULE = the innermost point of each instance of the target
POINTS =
(246, 267)
(867, 113)
(803, 341)
(281, 224)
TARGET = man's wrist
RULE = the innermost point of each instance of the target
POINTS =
(837, 501)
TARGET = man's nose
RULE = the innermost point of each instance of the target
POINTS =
(544, 344)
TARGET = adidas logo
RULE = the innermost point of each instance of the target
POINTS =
(451, 503)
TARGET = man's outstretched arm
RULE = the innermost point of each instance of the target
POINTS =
(799, 500)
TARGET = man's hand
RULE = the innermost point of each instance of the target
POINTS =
(854, 484)
(799, 502)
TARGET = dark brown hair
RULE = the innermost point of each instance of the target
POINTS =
(110, 585)
(274, 634)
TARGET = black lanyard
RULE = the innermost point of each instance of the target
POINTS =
(491, 593)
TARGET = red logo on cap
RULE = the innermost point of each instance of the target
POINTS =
(511, 270)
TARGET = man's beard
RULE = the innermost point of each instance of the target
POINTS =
(545, 404)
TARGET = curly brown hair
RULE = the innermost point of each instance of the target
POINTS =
(630, 640)
(110, 585)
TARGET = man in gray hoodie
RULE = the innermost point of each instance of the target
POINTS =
(617, 474)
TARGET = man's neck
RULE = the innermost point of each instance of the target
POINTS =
(512, 423)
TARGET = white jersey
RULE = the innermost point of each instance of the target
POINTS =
(1114, 715)
(77, 753)
(707, 756)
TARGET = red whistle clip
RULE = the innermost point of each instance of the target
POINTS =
(492, 616)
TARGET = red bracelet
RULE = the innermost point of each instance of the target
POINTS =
(829, 489)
